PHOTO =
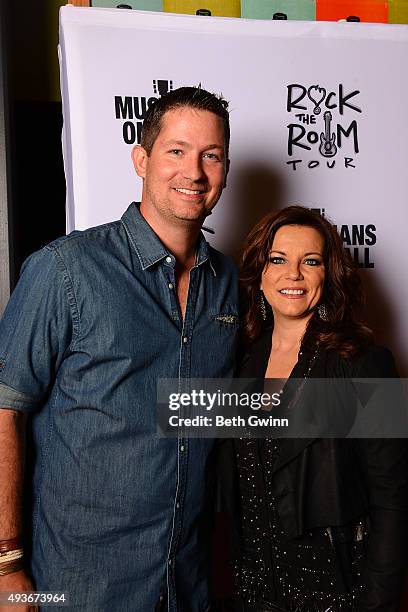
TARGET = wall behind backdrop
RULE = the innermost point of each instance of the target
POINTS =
(317, 118)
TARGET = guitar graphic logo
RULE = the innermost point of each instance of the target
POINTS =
(327, 141)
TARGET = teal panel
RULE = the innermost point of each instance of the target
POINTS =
(264, 9)
(141, 5)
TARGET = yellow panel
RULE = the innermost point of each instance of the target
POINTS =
(397, 11)
(218, 8)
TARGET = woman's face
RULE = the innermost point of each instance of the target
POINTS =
(293, 278)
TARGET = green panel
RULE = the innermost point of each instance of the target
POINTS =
(142, 5)
(265, 9)
(398, 11)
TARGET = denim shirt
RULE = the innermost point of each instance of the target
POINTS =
(118, 513)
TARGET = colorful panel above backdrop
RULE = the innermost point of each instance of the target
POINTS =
(293, 9)
(218, 8)
(397, 11)
(374, 11)
(141, 5)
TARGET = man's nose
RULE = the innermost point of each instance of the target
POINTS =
(193, 168)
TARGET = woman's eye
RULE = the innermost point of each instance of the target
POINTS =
(313, 262)
(276, 260)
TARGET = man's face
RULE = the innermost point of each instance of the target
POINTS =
(185, 172)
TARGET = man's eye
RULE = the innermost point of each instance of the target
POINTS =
(313, 262)
(276, 260)
(211, 156)
(175, 151)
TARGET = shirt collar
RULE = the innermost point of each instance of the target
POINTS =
(148, 245)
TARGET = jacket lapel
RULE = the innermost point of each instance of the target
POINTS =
(289, 449)
(255, 360)
(253, 365)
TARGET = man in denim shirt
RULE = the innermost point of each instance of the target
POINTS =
(97, 317)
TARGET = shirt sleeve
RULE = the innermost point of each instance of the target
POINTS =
(39, 324)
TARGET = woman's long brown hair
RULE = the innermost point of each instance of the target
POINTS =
(342, 292)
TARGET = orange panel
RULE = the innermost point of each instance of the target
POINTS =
(374, 11)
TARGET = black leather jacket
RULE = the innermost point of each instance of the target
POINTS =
(335, 482)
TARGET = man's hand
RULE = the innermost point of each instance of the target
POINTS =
(16, 582)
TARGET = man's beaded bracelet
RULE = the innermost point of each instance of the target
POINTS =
(11, 567)
(12, 544)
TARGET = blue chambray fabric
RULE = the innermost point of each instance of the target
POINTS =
(118, 514)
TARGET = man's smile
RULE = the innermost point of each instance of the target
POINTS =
(189, 191)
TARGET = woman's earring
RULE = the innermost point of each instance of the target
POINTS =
(262, 305)
(322, 312)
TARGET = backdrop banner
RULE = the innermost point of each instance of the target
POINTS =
(317, 118)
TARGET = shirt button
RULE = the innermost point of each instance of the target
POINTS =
(185, 339)
(182, 448)
(171, 286)
(168, 259)
(177, 505)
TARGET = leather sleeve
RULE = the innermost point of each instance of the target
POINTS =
(385, 468)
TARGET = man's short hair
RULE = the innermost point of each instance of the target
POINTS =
(191, 97)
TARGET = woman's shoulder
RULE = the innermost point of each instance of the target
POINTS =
(374, 361)
(253, 356)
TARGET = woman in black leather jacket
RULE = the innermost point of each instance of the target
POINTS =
(321, 523)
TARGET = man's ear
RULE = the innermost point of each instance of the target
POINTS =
(140, 158)
(227, 167)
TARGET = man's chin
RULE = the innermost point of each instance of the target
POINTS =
(190, 220)
(191, 216)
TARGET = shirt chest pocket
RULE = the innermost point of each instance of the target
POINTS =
(224, 329)
(217, 357)
(226, 319)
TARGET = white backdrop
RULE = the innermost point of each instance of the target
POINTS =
(318, 117)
